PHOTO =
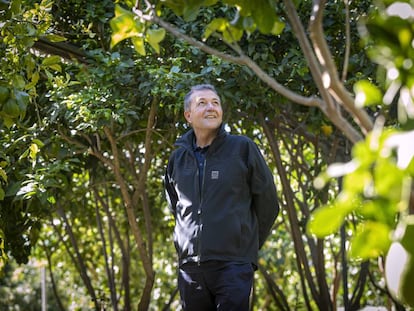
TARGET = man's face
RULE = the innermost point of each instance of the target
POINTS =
(205, 111)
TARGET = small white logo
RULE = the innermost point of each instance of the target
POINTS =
(214, 174)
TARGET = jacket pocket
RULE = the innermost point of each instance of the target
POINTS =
(222, 239)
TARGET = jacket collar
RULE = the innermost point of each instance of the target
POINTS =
(188, 138)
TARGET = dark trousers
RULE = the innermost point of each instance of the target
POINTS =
(215, 285)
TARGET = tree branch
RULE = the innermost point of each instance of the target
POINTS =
(301, 257)
(240, 60)
(347, 41)
(64, 49)
(78, 259)
(327, 105)
(329, 108)
(129, 206)
(329, 70)
(144, 173)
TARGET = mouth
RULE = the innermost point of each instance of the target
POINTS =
(210, 117)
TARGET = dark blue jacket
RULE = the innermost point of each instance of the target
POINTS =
(230, 214)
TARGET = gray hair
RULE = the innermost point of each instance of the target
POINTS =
(198, 87)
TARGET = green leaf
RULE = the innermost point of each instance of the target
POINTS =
(3, 174)
(188, 9)
(34, 150)
(248, 24)
(278, 27)
(23, 100)
(264, 16)
(56, 67)
(230, 33)
(24, 154)
(38, 142)
(244, 7)
(34, 79)
(327, 220)
(364, 154)
(54, 38)
(16, 6)
(3, 254)
(11, 108)
(217, 24)
(367, 94)
(51, 60)
(139, 45)
(389, 179)
(154, 37)
(190, 12)
(378, 209)
(176, 5)
(8, 122)
(2, 194)
(405, 233)
(51, 199)
(124, 26)
(18, 82)
(371, 240)
(358, 181)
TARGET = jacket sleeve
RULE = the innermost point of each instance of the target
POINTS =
(264, 198)
(170, 193)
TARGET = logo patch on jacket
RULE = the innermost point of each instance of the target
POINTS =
(214, 174)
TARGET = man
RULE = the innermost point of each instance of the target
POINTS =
(223, 198)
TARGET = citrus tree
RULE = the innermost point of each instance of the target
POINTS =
(377, 185)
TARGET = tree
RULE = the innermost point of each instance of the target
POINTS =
(334, 101)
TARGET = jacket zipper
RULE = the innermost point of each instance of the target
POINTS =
(199, 212)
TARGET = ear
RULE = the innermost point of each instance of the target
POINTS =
(187, 115)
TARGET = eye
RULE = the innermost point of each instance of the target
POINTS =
(201, 103)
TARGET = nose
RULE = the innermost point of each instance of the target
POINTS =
(210, 106)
